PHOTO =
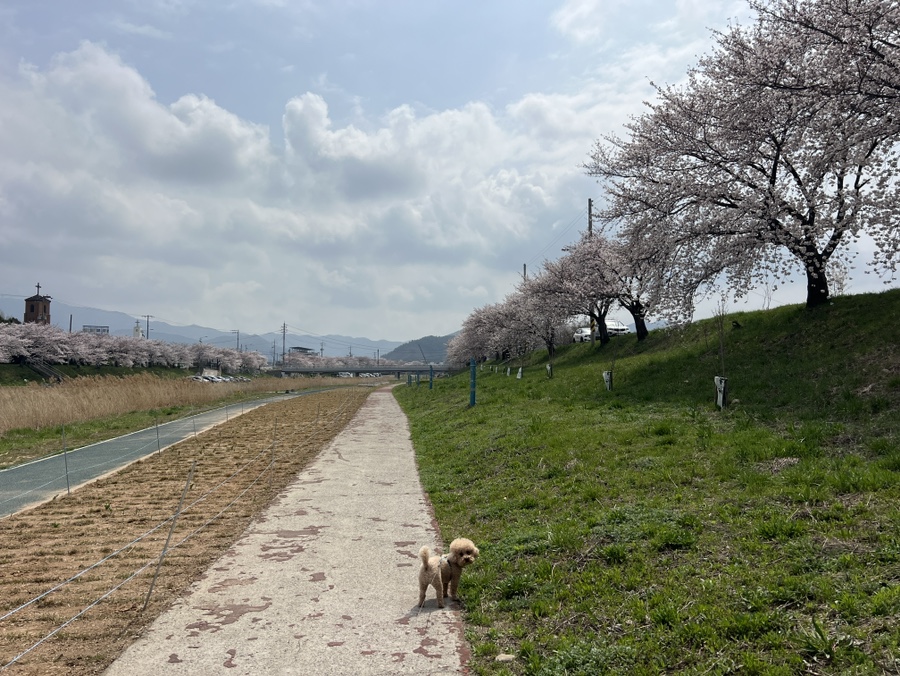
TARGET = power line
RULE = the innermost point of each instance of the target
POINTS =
(328, 341)
(579, 218)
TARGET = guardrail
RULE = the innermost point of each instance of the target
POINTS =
(357, 370)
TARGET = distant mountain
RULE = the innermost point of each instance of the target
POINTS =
(328, 346)
(430, 349)
(69, 317)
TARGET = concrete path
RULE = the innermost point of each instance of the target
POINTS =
(325, 581)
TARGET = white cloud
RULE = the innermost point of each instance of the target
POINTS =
(183, 193)
(343, 216)
(143, 30)
(583, 20)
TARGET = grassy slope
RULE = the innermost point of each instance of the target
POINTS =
(18, 374)
(643, 531)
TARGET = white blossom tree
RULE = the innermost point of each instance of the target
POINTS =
(752, 168)
(582, 283)
(480, 337)
(861, 41)
(56, 346)
(87, 349)
(12, 344)
(536, 312)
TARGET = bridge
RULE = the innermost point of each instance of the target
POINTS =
(356, 371)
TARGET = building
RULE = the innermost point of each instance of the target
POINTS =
(87, 328)
(37, 308)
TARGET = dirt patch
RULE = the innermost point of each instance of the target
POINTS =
(111, 533)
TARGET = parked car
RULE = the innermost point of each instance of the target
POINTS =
(615, 328)
(582, 335)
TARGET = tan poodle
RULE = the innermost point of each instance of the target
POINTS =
(443, 572)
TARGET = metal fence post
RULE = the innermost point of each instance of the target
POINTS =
(66, 460)
(166, 546)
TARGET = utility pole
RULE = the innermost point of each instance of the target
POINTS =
(147, 335)
(283, 338)
(273, 352)
(590, 217)
(238, 339)
(321, 349)
(524, 271)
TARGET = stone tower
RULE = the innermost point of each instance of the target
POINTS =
(37, 308)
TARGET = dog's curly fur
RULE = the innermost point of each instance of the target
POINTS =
(443, 572)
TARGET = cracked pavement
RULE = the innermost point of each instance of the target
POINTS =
(325, 581)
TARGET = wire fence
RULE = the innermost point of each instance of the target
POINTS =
(41, 479)
(250, 475)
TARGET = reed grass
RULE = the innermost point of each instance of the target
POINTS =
(37, 407)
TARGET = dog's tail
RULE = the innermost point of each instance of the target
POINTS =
(425, 554)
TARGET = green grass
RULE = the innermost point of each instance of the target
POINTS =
(18, 374)
(644, 531)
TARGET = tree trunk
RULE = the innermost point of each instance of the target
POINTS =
(640, 327)
(816, 281)
(600, 320)
(636, 308)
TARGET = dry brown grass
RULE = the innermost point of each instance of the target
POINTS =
(93, 398)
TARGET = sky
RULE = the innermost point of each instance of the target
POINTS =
(351, 167)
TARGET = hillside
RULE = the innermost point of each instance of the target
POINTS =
(430, 349)
(643, 530)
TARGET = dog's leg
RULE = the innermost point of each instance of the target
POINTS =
(439, 588)
(453, 583)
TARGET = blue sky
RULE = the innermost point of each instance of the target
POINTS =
(364, 168)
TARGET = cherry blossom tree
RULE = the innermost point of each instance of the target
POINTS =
(536, 313)
(55, 346)
(582, 283)
(44, 342)
(641, 284)
(598, 272)
(481, 337)
(87, 349)
(860, 40)
(252, 361)
(12, 344)
(751, 168)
